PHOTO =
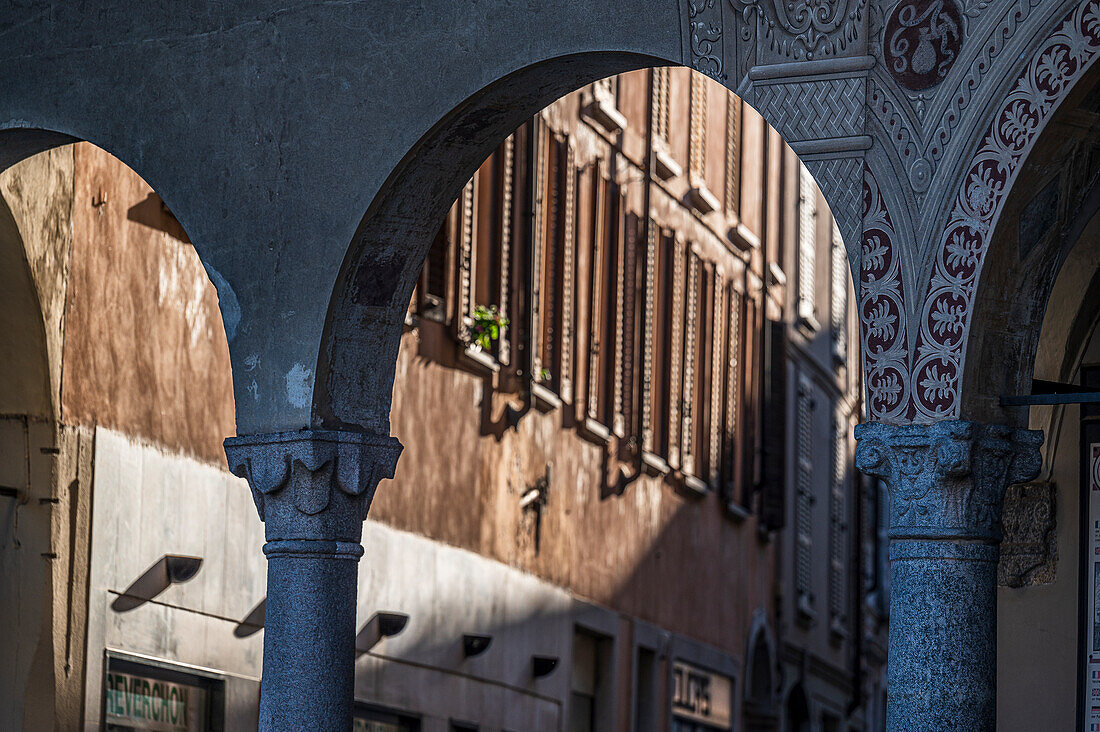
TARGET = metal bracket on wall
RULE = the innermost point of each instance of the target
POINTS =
(1052, 392)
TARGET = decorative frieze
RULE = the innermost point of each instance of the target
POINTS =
(466, 233)
(947, 480)
(1029, 550)
(565, 358)
(691, 345)
(717, 377)
(507, 212)
(649, 327)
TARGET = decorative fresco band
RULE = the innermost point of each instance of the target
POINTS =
(937, 362)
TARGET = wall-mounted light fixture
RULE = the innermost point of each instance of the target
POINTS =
(171, 569)
(381, 625)
(253, 622)
(475, 645)
(543, 665)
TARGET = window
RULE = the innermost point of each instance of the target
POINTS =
(838, 299)
(463, 727)
(645, 691)
(804, 499)
(590, 692)
(807, 248)
(731, 462)
(838, 530)
(552, 313)
(606, 268)
(148, 697)
(433, 285)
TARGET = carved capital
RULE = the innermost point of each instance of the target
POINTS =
(313, 484)
(948, 479)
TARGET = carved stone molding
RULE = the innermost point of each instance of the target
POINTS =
(947, 480)
(1029, 551)
(313, 485)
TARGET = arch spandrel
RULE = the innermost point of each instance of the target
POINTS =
(270, 130)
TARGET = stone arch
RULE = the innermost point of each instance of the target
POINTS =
(957, 274)
(28, 412)
(760, 685)
(366, 310)
(798, 717)
(1046, 219)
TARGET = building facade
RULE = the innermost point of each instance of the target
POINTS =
(631, 348)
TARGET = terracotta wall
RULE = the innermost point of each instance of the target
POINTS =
(668, 558)
(145, 351)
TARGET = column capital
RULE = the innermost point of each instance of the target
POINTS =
(313, 485)
(947, 480)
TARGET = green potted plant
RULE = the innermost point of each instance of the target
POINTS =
(485, 326)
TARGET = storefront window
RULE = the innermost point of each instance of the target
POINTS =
(139, 697)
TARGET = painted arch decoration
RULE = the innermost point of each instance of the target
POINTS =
(921, 382)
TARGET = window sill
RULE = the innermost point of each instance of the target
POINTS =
(696, 486)
(776, 275)
(596, 431)
(479, 359)
(806, 319)
(702, 199)
(837, 632)
(805, 614)
(665, 165)
(737, 512)
(654, 464)
(743, 238)
(604, 113)
(543, 399)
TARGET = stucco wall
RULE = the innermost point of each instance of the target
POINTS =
(674, 560)
(145, 351)
(1037, 632)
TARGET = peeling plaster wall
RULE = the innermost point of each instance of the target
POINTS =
(673, 560)
(145, 351)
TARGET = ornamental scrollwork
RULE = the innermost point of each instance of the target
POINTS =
(705, 25)
(948, 303)
(947, 480)
(804, 30)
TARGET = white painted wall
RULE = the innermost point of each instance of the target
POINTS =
(148, 503)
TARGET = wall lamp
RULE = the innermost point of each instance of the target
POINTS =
(381, 625)
(543, 665)
(171, 569)
(253, 622)
(475, 645)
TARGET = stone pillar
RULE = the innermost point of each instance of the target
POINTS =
(312, 489)
(947, 482)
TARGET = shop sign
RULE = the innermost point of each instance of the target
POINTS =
(153, 704)
(701, 696)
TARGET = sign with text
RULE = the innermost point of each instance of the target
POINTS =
(1092, 655)
(139, 703)
(701, 696)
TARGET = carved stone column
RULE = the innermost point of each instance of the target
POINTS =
(312, 489)
(947, 482)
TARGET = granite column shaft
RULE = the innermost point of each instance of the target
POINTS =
(312, 489)
(947, 483)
